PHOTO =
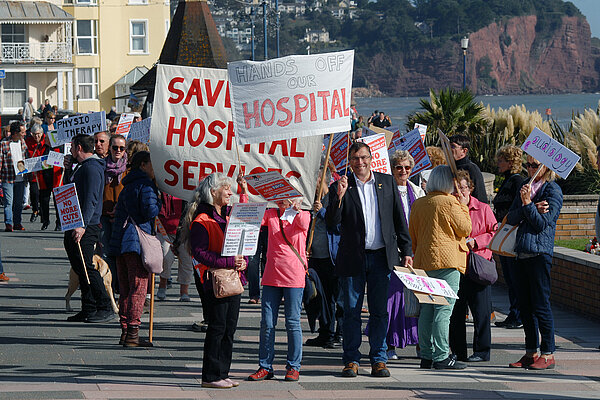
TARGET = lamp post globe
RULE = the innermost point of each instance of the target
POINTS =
(464, 44)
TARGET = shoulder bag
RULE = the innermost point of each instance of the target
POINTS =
(480, 270)
(504, 240)
(150, 250)
(226, 282)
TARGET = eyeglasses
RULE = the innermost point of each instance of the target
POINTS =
(402, 167)
(99, 141)
(464, 188)
(361, 158)
(118, 148)
(532, 165)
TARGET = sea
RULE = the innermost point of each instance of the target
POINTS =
(562, 106)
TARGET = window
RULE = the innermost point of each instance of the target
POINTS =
(15, 90)
(13, 33)
(86, 2)
(87, 83)
(87, 39)
(139, 38)
(138, 1)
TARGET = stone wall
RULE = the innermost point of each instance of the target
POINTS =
(576, 218)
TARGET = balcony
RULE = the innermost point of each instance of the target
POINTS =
(34, 53)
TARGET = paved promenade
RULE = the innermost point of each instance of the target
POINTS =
(44, 357)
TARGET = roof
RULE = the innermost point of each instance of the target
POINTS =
(193, 41)
(32, 12)
(132, 76)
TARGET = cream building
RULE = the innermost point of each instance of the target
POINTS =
(79, 54)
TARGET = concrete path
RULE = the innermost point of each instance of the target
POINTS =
(44, 357)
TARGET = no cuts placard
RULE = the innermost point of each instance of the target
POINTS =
(290, 97)
(67, 204)
(192, 136)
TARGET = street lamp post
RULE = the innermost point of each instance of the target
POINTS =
(464, 44)
(264, 7)
(277, 24)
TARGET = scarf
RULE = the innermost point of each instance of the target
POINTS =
(114, 169)
(411, 199)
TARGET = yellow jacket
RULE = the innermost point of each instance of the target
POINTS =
(438, 227)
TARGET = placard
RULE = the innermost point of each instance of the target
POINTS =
(16, 154)
(339, 149)
(140, 130)
(67, 203)
(243, 229)
(549, 152)
(35, 164)
(412, 143)
(291, 97)
(192, 136)
(67, 128)
(124, 124)
(272, 186)
(56, 159)
(426, 284)
(422, 131)
(380, 161)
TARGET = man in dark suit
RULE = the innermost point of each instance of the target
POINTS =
(372, 231)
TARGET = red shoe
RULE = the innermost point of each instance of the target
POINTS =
(543, 363)
(27, 207)
(19, 227)
(261, 374)
(292, 375)
(4, 278)
(525, 361)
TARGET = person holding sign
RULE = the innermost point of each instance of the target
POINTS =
(41, 181)
(439, 225)
(88, 177)
(13, 185)
(203, 233)
(373, 229)
(138, 204)
(534, 247)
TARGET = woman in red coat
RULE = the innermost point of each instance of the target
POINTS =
(41, 182)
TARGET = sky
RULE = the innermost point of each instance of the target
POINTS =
(589, 8)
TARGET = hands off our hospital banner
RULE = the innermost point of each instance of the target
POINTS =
(412, 143)
(426, 284)
(86, 124)
(291, 97)
(67, 204)
(243, 228)
(192, 136)
(380, 161)
(549, 152)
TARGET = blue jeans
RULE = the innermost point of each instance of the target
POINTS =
(533, 291)
(508, 270)
(271, 298)
(13, 202)
(376, 276)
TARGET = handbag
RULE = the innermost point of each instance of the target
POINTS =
(504, 240)
(226, 282)
(150, 250)
(310, 288)
(480, 270)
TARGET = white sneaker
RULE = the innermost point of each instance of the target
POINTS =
(392, 355)
(185, 298)
(162, 294)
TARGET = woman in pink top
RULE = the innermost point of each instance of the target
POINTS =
(283, 278)
(477, 297)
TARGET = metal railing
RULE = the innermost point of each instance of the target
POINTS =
(31, 53)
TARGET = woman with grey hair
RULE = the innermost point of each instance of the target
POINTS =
(203, 232)
(41, 182)
(439, 226)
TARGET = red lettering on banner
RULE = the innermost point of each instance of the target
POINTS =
(294, 174)
(168, 169)
(282, 143)
(313, 107)
(201, 133)
(346, 110)
(298, 109)
(230, 135)
(293, 151)
(218, 135)
(178, 93)
(269, 103)
(176, 131)
(288, 113)
(324, 94)
(211, 97)
(205, 170)
(335, 105)
(254, 115)
(187, 175)
(227, 98)
(194, 91)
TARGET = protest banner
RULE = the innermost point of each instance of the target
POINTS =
(422, 131)
(412, 143)
(425, 284)
(35, 164)
(192, 136)
(291, 97)
(243, 228)
(339, 150)
(140, 131)
(16, 153)
(67, 203)
(379, 156)
(124, 124)
(272, 186)
(549, 152)
(86, 124)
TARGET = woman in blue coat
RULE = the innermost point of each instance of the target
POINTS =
(536, 210)
(139, 201)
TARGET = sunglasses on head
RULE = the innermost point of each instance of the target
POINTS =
(118, 148)
(532, 165)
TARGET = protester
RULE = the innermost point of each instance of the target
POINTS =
(133, 146)
(13, 185)
(101, 143)
(382, 121)
(49, 120)
(88, 177)
(28, 111)
(203, 233)
(284, 277)
(372, 230)
(439, 225)
(41, 182)
(138, 204)
(116, 166)
(510, 164)
(459, 145)
(472, 295)
(534, 247)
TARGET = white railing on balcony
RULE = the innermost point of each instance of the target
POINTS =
(32, 53)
